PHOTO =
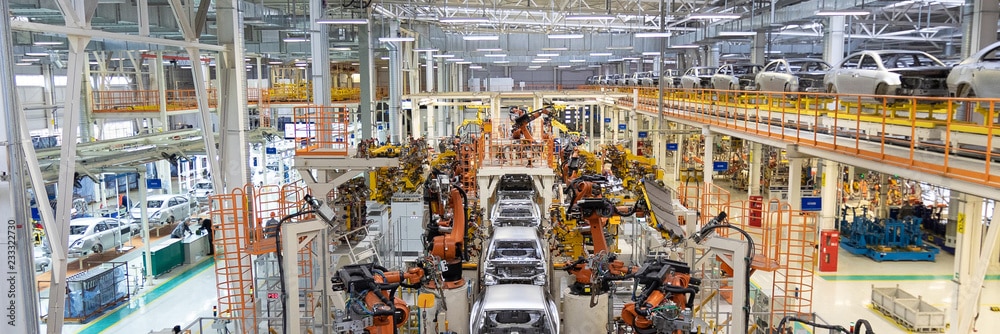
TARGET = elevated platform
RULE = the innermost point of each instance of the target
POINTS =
(324, 172)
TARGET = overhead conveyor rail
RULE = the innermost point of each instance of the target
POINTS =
(918, 134)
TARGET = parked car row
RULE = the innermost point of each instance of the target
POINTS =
(870, 72)
(514, 267)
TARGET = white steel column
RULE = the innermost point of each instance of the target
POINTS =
(431, 126)
(755, 164)
(757, 46)
(709, 153)
(161, 89)
(795, 183)
(232, 96)
(367, 80)
(320, 44)
(633, 129)
(20, 300)
(979, 17)
(972, 260)
(833, 44)
(831, 176)
(429, 71)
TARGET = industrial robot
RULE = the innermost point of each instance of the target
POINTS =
(665, 304)
(520, 129)
(446, 230)
(372, 306)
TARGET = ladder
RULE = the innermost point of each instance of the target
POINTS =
(364, 251)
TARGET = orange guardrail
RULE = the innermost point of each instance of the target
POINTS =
(111, 101)
(514, 153)
(878, 128)
(321, 130)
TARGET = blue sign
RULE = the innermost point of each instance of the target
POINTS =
(154, 184)
(271, 150)
(352, 136)
(671, 146)
(720, 166)
(812, 203)
(380, 127)
(621, 126)
(643, 134)
(607, 120)
(255, 161)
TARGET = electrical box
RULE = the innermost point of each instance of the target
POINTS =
(829, 246)
(756, 204)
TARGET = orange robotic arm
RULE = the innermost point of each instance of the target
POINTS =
(665, 300)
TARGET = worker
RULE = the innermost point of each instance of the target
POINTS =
(206, 225)
(271, 227)
(181, 230)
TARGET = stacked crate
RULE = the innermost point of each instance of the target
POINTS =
(91, 293)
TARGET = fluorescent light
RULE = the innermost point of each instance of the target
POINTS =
(651, 53)
(495, 55)
(555, 49)
(684, 46)
(23, 64)
(578, 60)
(548, 55)
(711, 16)
(342, 21)
(464, 20)
(737, 33)
(464, 62)
(489, 50)
(540, 61)
(588, 17)
(295, 40)
(475, 67)
(566, 36)
(301, 65)
(185, 67)
(425, 50)
(481, 38)
(36, 54)
(595, 65)
(564, 66)
(454, 59)
(842, 13)
(652, 34)
(502, 62)
(340, 48)
(443, 56)
(384, 58)
(619, 48)
(29, 59)
(275, 62)
(630, 58)
(94, 63)
(48, 43)
(601, 54)
(395, 39)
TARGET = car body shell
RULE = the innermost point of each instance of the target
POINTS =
(516, 209)
(698, 77)
(165, 208)
(735, 76)
(515, 254)
(888, 72)
(88, 235)
(792, 75)
(977, 75)
(514, 301)
(201, 190)
(672, 79)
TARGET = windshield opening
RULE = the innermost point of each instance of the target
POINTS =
(77, 229)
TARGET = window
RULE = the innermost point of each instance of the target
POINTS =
(868, 63)
(100, 227)
(78, 229)
(992, 55)
(851, 62)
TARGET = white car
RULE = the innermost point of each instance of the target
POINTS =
(699, 77)
(202, 189)
(515, 255)
(164, 209)
(514, 308)
(792, 75)
(889, 72)
(978, 75)
(735, 76)
(91, 235)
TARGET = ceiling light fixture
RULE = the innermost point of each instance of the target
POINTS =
(564, 66)
(842, 13)
(630, 58)
(495, 55)
(454, 59)
(652, 34)
(540, 61)
(340, 48)
(713, 16)
(654, 53)
(566, 36)
(443, 56)
(489, 50)
(29, 59)
(684, 46)
(36, 54)
(295, 40)
(548, 55)
(737, 33)
(502, 62)
(619, 48)
(275, 62)
(342, 21)
(481, 38)
(578, 60)
(395, 39)
(48, 43)
(464, 20)
(555, 49)
(23, 64)
(475, 67)
(425, 50)
(464, 62)
(601, 54)
(588, 17)
(595, 66)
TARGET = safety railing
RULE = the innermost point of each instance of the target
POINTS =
(918, 133)
(321, 130)
(514, 153)
(233, 268)
(256, 95)
(283, 93)
(345, 94)
(112, 101)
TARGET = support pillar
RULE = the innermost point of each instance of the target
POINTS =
(795, 183)
(319, 42)
(431, 128)
(833, 44)
(713, 55)
(395, 85)
(979, 17)
(232, 96)
(709, 153)
(971, 262)
(757, 48)
(755, 157)
(831, 176)
(633, 128)
(367, 80)
(429, 72)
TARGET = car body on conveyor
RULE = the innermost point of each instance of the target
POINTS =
(792, 75)
(735, 76)
(699, 77)
(516, 208)
(889, 72)
(515, 255)
(514, 308)
(978, 75)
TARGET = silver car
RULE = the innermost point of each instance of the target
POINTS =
(514, 308)
(889, 72)
(735, 76)
(515, 255)
(202, 189)
(792, 75)
(699, 77)
(672, 77)
(978, 75)
(165, 209)
(91, 235)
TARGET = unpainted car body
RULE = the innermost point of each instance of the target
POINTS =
(978, 75)
(515, 255)
(92, 235)
(735, 76)
(163, 209)
(672, 78)
(516, 209)
(793, 75)
(201, 190)
(698, 77)
(647, 79)
(889, 72)
(514, 308)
